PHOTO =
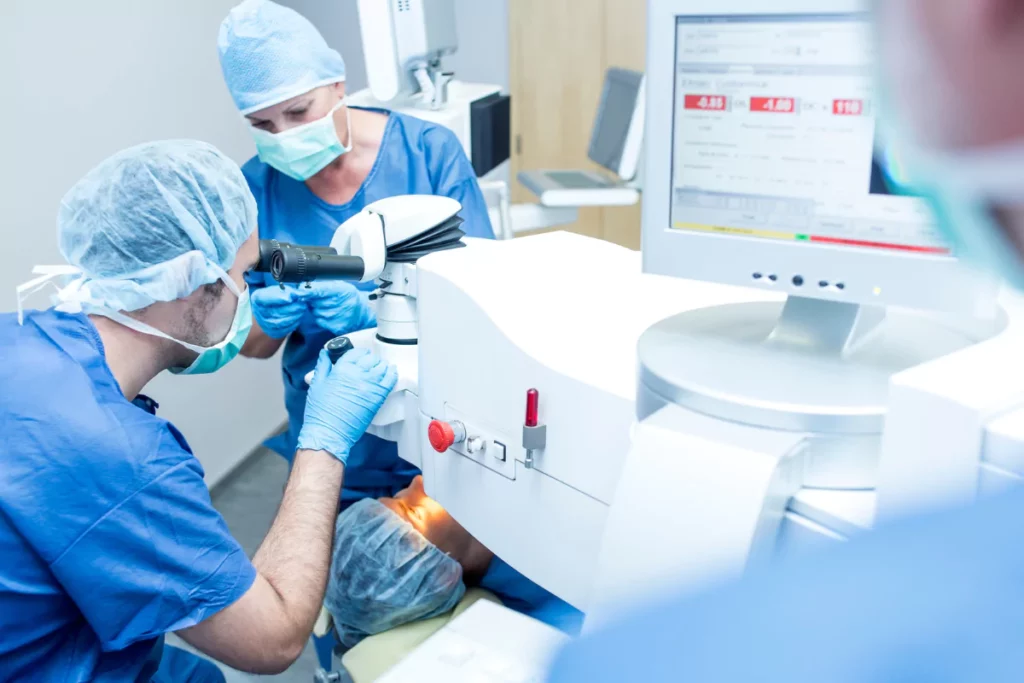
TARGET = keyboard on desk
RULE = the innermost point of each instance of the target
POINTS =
(575, 180)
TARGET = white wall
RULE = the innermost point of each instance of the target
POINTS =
(81, 80)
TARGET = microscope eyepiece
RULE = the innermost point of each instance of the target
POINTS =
(295, 264)
(269, 247)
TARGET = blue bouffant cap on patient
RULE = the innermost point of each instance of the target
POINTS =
(154, 223)
(270, 53)
(384, 573)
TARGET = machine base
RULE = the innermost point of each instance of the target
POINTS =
(812, 367)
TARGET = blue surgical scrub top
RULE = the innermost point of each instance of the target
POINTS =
(415, 157)
(938, 598)
(519, 593)
(108, 539)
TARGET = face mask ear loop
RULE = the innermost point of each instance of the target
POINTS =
(226, 279)
(348, 125)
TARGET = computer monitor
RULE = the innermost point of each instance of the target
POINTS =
(764, 165)
(616, 138)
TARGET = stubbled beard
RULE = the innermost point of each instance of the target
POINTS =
(195, 319)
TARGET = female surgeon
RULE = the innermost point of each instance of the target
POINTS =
(320, 162)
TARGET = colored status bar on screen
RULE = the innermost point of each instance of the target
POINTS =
(814, 239)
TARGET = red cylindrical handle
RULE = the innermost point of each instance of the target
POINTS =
(532, 400)
(441, 435)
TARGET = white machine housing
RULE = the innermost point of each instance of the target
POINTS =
(495, 322)
(770, 418)
(633, 492)
(591, 521)
(387, 222)
(404, 41)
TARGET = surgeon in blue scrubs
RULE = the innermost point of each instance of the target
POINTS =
(319, 162)
(938, 598)
(108, 538)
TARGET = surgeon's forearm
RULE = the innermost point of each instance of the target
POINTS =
(266, 629)
(295, 557)
(259, 344)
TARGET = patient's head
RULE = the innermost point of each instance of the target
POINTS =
(428, 517)
(397, 560)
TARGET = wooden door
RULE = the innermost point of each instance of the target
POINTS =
(559, 51)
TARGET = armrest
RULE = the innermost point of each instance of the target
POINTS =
(372, 657)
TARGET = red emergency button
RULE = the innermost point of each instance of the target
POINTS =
(441, 435)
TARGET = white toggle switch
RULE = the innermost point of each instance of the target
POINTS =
(498, 451)
(475, 444)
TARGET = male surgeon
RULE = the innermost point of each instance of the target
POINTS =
(108, 538)
(936, 598)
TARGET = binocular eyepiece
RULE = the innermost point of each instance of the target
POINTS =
(294, 263)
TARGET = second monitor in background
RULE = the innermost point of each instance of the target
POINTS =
(616, 144)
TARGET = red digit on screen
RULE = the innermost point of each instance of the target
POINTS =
(847, 107)
(705, 102)
(776, 105)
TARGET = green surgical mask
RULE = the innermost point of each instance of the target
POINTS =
(303, 151)
(215, 357)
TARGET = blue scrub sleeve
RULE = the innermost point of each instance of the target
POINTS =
(160, 561)
(474, 208)
(453, 176)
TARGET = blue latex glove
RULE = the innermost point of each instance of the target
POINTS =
(339, 307)
(342, 401)
(278, 310)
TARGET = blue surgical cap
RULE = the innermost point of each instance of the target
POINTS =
(154, 223)
(270, 53)
(384, 573)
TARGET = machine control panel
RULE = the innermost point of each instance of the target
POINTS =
(457, 435)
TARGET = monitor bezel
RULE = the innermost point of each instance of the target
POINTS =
(868, 276)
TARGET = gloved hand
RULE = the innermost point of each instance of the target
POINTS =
(343, 400)
(339, 307)
(278, 310)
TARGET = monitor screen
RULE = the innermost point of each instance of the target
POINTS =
(774, 136)
(614, 116)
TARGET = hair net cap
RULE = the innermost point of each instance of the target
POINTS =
(270, 53)
(154, 223)
(384, 573)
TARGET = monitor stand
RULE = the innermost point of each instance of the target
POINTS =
(806, 365)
